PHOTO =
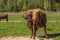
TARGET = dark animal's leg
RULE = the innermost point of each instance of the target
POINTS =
(0, 19)
(31, 33)
(44, 29)
(7, 18)
(46, 35)
(29, 25)
(34, 30)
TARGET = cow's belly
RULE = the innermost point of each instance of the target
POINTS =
(2, 17)
(39, 24)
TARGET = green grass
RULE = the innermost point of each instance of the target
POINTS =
(16, 17)
(54, 30)
(13, 29)
(20, 29)
(53, 15)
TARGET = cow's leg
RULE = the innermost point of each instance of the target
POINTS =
(7, 18)
(46, 35)
(30, 27)
(0, 19)
(34, 30)
(31, 33)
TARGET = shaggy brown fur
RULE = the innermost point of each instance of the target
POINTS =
(4, 16)
(27, 15)
(36, 18)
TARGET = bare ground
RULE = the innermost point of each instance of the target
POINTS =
(21, 38)
(25, 21)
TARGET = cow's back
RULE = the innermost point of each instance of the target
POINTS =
(40, 17)
(3, 15)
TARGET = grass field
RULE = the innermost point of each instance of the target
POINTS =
(20, 29)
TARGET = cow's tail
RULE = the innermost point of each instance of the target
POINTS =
(39, 16)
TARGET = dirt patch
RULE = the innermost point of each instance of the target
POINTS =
(17, 38)
(25, 21)
(21, 38)
(53, 21)
(13, 21)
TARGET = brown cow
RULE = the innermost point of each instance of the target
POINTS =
(36, 18)
(4, 16)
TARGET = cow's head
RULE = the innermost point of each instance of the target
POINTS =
(28, 15)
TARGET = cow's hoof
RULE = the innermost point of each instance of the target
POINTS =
(31, 37)
(47, 37)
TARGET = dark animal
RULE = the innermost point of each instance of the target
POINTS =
(36, 18)
(4, 16)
